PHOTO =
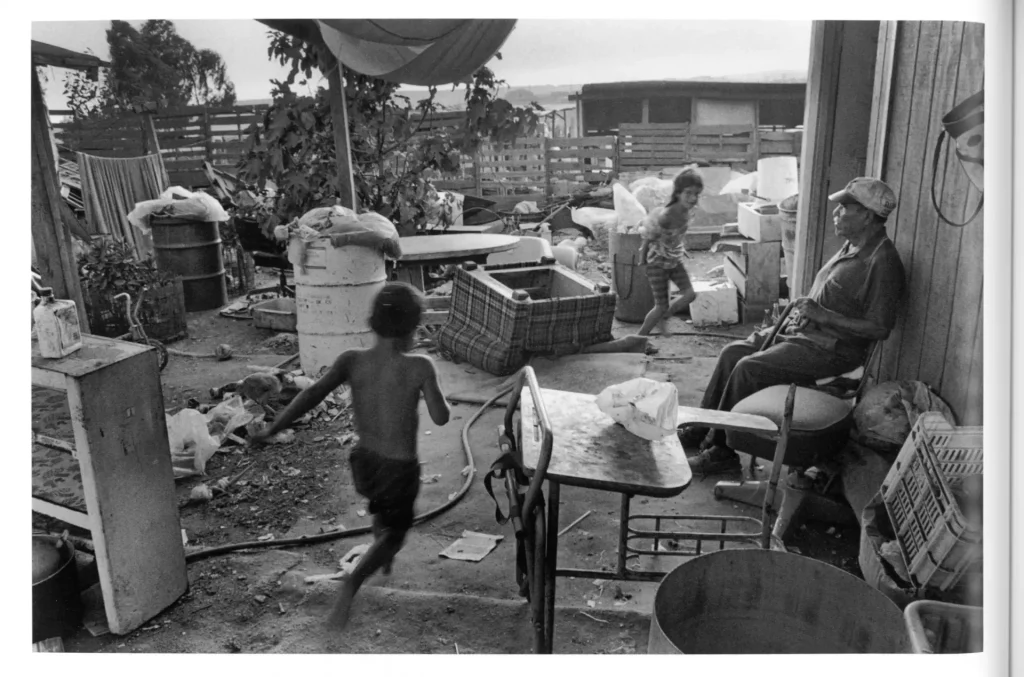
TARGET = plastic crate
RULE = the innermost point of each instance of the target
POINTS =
(938, 627)
(937, 542)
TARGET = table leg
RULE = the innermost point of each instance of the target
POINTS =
(554, 491)
(411, 274)
(623, 533)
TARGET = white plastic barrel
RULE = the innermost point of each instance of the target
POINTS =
(777, 177)
(333, 298)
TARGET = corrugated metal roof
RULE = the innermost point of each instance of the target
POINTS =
(44, 54)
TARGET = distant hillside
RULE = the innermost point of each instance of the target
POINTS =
(554, 97)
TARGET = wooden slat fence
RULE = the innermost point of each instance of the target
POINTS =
(187, 137)
(649, 146)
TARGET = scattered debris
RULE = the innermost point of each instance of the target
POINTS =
(430, 479)
(361, 513)
(830, 531)
(260, 598)
(591, 603)
(594, 618)
(266, 537)
(200, 494)
(472, 547)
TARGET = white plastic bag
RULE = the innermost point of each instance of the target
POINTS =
(595, 218)
(653, 194)
(646, 408)
(643, 181)
(190, 442)
(629, 211)
(740, 184)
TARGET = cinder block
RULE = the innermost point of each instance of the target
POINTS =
(716, 303)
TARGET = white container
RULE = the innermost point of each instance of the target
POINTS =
(716, 303)
(56, 325)
(777, 178)
(334, 295)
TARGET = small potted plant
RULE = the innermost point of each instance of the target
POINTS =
(109, 267)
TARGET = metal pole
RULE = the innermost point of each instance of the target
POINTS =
(768, 509)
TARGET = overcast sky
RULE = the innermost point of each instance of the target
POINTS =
(538, 52)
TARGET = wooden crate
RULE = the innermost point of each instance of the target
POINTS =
(756, 269)
(758, 226)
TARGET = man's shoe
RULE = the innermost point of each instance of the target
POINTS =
(715, 461)
(692, 436)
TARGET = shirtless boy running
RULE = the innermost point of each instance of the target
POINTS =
(386, 385)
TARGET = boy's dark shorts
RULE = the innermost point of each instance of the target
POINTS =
(391, 485)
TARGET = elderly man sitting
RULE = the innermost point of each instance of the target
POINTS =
(853, 302)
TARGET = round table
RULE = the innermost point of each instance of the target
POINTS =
(421, 250)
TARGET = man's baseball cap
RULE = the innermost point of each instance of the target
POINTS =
(871, 193)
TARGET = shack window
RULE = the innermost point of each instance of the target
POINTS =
(787, 113)
(665, 109)
(604, 116)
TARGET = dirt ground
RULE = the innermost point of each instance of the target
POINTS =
(257, 601)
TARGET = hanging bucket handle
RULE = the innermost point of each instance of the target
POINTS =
(957, 121)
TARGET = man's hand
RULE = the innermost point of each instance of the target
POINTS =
(806, 310)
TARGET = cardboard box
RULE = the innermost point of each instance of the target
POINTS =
(758, 226)
(716, 303)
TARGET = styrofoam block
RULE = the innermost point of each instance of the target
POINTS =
(716, 303)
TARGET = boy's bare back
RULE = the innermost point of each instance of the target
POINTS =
(386, 389)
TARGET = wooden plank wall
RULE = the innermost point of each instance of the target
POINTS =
(650, 146)
(187, 136)
(938, 339)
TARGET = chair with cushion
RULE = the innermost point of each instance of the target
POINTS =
(822, 417)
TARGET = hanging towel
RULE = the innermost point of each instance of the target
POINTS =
(111, 187)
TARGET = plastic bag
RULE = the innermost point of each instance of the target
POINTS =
(643, 181)
(629, 211)
(740, 184)
(229, 416)
(886, 413)
(644, 407)
(594, 218)
(190, 442)
(367, 230)
(653, 194)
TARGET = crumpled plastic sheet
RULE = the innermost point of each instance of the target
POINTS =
(887, 411)
(645, 407)
(343, 227)
(195, 437)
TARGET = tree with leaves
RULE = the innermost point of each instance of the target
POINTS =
(150, 67)
(395, 152)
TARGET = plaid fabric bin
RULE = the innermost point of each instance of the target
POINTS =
(496, 333)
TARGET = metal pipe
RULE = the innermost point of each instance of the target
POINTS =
(768, 510)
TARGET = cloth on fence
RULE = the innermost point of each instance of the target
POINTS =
(111, 187)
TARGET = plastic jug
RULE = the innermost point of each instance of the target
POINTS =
(56, 325)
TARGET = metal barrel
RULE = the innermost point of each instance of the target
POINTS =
(633, 295)
(769, 602)
(334, 293)
(191, 250)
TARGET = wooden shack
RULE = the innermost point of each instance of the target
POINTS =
(603, 107)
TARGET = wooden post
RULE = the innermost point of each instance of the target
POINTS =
(840, 82)
(885, 60)
(150, 140)
(50, 235)
(208, 136)
(342, 149)
(645, 111)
